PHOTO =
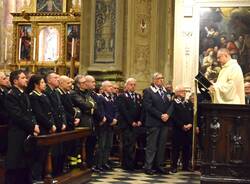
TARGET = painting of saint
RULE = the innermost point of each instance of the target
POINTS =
(73, 33)
(25, 42)
(226, 27)
(49, 5)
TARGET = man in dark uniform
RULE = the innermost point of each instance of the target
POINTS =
(130, 119)
(182, 130)
(22, 124)
(105, 129)
(158, 109)
(59, 118)
(4, 82)
(73, 119)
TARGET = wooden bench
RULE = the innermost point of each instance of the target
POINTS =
(76, 176)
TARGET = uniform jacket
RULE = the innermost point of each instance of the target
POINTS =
(58, 109)
(21, 124)
(183, 114)
(42, 110)
(70, 111)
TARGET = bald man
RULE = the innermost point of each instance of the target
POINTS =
(229, 88)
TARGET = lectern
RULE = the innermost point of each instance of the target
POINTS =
(226, 138)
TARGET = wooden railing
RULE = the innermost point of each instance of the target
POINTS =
(76, 176)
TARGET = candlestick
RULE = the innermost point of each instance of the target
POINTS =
(72, 47)
(34, 50)
(5, 49)
(20, 45)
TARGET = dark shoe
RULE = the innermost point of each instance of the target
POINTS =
(97, 169)
(173, 171)
(129, 169)
(107, 167)
(149, 171)
(187, 169)
(161, 170)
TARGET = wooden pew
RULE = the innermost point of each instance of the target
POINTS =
(76, 176)
(3, 131)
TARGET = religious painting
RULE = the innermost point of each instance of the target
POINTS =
(49, 5)
(73, 42)
(226, 27)
(105, 31)
(25, 33)
(49, 44)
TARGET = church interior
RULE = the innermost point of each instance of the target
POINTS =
(121, 42)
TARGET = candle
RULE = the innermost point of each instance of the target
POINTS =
(20, 45)
(5, 49)
(34, 50)
(72, 47)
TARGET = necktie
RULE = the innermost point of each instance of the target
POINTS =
(161, 93)
(133, 96)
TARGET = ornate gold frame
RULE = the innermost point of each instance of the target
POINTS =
(37, 22)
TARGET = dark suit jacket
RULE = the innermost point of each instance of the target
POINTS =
(182, 115)
(109, 109)
(42, 110)
(22, 123)
(58, 110)
(129, 110)
(155, 106)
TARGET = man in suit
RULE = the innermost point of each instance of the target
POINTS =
(130, 119)
(22, 124)
(182, 129)
(158, 109)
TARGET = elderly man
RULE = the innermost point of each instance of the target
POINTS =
(130, 118)
(229, 88)
(158, 109)
(105, 128)
(182, 120)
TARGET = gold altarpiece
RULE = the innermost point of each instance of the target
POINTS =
(47, 36)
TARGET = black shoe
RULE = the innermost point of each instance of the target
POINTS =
(97, 169)
(107, 167)
(187, 169)
(129, 169)
(161, 170)
(149, 171)
(173, 171)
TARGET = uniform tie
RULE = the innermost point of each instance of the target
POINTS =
(161, 92)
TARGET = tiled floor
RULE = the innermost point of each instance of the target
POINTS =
(119, 176)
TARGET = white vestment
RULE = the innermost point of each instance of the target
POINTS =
(229, 88)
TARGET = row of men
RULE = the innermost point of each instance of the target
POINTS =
(34, 108)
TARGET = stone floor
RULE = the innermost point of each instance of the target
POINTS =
(119, 176)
